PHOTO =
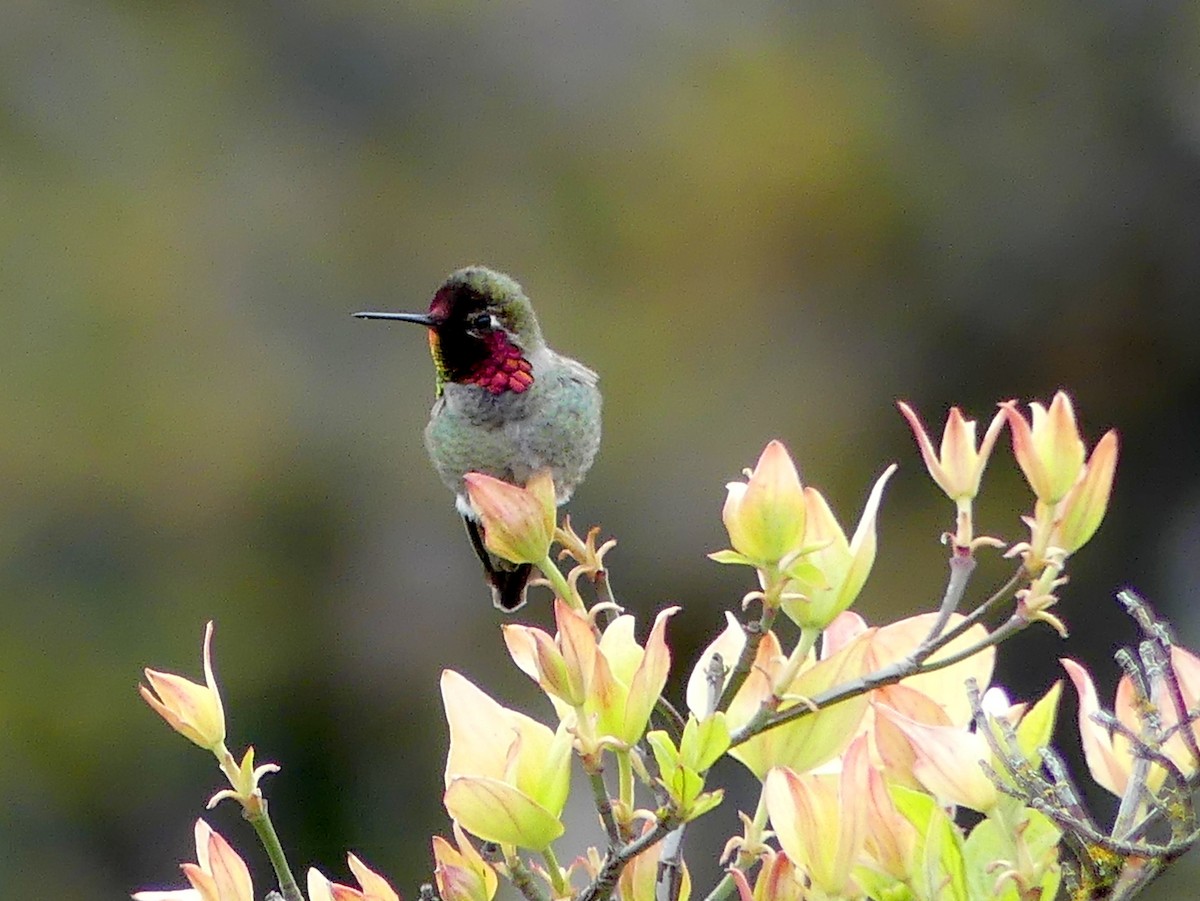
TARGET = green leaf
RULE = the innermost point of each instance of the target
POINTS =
(1035, 728)
(664, 750)
(945, 869)
(703, 803)
(1041, 837)
(703, 743)
(915, 806)
(1050, 882)
(882, 887)
(992, 845)
(546, 776)
(497, 812)
(986, 845)
(810, 575)
(684, 787)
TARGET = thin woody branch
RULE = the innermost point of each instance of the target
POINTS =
(616, 860)
(888, 675)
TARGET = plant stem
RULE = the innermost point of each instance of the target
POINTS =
(746, 856)
(808, 638)
(721, 890)
(1011, 627)
(604, 807)
(671, 718)
(522, 879)
(669, 884)
(561, 889)
(615, 861)
(888, 675)
(625, 780)
(979, 612)
(754, 636)
(604, 591)
(261, 821)
(916, 662)
(767, 711)
(559, 583)
(962, 564)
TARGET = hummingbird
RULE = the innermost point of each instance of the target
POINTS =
(506, 404)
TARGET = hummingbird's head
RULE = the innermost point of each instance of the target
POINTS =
(482, 331)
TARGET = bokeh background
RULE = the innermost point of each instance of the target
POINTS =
(754, 219)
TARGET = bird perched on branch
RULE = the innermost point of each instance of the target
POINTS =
(507, 405)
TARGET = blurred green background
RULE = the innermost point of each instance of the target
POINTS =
(754, 220)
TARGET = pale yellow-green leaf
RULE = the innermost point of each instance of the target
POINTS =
(497, 812)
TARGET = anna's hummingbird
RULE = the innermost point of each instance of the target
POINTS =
(507, 405)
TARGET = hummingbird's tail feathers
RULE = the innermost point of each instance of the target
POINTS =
(508, 581)
(475, 533)
(508, 587)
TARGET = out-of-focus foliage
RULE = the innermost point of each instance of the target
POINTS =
(753, 220)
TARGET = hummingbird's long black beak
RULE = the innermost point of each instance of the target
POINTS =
(419, 318)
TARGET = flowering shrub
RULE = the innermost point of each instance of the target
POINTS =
(867, 741)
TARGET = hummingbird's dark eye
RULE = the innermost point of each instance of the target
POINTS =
(480, 322)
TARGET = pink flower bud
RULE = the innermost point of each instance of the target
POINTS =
(518, 523)
(219, 874)
(373, 886)
(765, 515)
(191, 709)
(461, 873)
(947, 762)
(821, 819)
(1049, 451)
(958, 466)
